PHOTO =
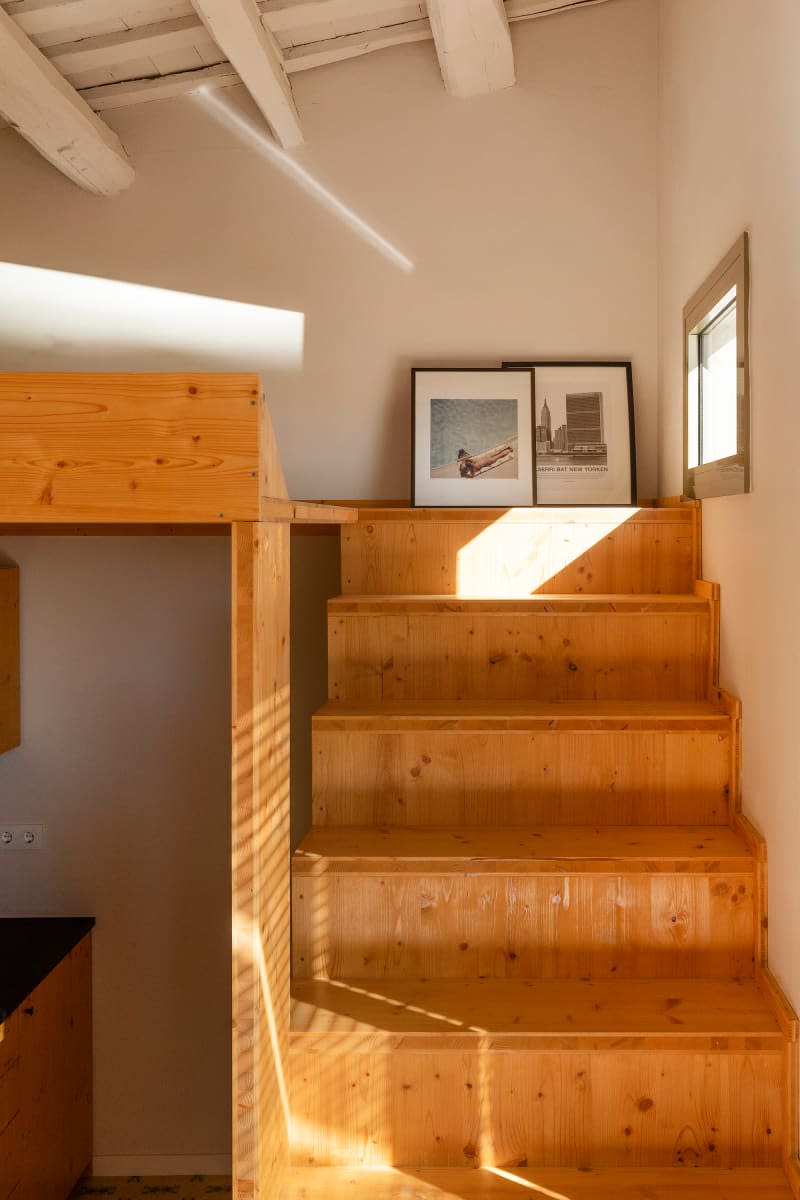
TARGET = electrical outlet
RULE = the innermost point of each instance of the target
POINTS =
(22, 837)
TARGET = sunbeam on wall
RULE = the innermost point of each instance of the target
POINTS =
(55, 319)
(262, 143)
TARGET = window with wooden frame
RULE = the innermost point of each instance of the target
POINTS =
(716, 380)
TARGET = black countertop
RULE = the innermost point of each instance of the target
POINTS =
(29, 949)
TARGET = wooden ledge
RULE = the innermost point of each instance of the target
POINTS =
(305, 512)
(372, 513)
(574, 604)
(627, 849)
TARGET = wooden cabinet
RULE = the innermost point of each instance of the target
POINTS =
(46, 1084)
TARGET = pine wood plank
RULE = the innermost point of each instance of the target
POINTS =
(515, 1183)
(616, 849)
(575, 1108)
(530, 714)
(571, 925)
(9, 656)
(517, 552)
(381, 765)
(260, 855)
(523, 1013)
(118, 447)
(554, 648)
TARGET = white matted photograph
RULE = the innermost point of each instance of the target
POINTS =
(583, 432)
(472, 437)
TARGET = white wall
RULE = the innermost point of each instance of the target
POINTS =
(529, 217)
(530, 220)
(729, 161)
(125, 759)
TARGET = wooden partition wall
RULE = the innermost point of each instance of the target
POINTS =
(195, 452)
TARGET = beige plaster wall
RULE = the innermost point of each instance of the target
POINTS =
(530, 220)
(730, 161)
(528, 217)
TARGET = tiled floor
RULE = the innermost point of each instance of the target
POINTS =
(137, 1187)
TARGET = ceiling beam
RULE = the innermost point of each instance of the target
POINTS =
(38, 102)
(236, 27)
(473, 45)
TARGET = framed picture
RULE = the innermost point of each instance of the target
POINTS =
(472, 437)
(584, 434)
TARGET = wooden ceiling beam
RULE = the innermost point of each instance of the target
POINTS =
(235, 25)
(39, 103)
(473, 45)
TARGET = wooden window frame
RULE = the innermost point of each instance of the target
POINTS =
(724, 476)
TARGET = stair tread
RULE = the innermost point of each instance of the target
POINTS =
(519, 1007)
(543, 603)
(482, 849)
(514, 1183)
(521, 714)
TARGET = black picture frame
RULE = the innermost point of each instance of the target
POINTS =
(601, 469)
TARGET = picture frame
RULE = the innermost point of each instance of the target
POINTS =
(584, 435)
(472, 437)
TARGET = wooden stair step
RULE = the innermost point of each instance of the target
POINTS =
(568, 902)
(532, 714)
(563, 647)
(482, 850)
(474, 762)
(517, 1014)
(449, 1100)
(520, 551)
(516, 1183)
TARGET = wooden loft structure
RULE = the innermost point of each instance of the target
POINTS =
(144, 453)
(529, 940)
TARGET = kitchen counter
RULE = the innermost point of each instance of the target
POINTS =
(30, 947)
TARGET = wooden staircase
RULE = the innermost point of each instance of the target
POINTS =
(529, 923)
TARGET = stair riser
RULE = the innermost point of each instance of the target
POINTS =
(550, 1108)
(651, 552)
(573, 926)
(521, 778)
(543, 656)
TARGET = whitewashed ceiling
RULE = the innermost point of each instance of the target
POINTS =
(63, 62)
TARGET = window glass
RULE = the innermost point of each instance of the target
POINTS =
(717, 383)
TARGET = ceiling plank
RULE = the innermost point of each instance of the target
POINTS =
(111, 49)
(163, 87)
(520, 10)
(45, 18)
(50, 114)
(321, 20)
(473, 45)
(319, 54)
(235, 26)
